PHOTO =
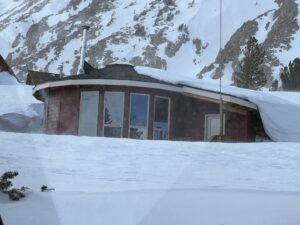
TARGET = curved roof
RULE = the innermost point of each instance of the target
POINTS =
(128, 75)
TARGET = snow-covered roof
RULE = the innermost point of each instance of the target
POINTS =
(279, 110)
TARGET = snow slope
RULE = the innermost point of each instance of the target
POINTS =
(182, 37)
(113, 181)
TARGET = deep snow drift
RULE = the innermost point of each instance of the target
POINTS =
(19, 110)
(113, 181)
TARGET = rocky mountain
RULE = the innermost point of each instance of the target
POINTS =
(180, 36)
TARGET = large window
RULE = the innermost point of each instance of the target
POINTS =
(138, 116)
(161, 118)
(113, 114)
(88, 117)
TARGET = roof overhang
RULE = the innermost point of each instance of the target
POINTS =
(173, 88)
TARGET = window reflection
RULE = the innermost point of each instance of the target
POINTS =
(88, 116)
(113, 114)
(161, 118)
(138, 116)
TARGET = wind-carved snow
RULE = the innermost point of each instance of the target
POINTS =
(19, 110)
(17, 99)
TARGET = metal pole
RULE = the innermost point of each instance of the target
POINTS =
(83, 50)
(61, 68)
(221, 68)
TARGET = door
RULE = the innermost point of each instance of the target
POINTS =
(88, 116)
(212, 126)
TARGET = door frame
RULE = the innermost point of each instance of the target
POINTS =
(209, 117)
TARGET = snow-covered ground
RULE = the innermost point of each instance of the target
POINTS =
(122, 181)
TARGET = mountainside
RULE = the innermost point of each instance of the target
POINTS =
(180, 36)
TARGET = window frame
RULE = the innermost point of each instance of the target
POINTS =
(169, 114)
(148, 109)
(80, 110)
(123, 110)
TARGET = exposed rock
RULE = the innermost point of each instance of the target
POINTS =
(173, 47)
(198, 44)
(149, 59)
(153, 34)
(205, 70)
(232, 49)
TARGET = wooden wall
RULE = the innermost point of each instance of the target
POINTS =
(187, 114)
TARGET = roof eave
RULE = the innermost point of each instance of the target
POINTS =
(129, 83)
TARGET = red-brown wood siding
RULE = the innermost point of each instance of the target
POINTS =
(53, 112)
(69, 111)
(236, 126)
(187, 114)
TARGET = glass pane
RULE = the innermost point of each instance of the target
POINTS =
(214, 126)
(114, 107)
(161, 116)
(112, 131)
(138, 110)
(161, 135)
(138, 133)
(88, 117)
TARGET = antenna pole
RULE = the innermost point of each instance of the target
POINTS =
(221, 69)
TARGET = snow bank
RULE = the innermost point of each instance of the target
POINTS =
(123, 181)
(123, 164)
(279, 110)
(17, 99)
(7, 79)
(19, 110)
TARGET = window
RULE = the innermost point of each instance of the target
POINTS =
(138, 116)
(113, 114)
(161, 118)
(88, 116)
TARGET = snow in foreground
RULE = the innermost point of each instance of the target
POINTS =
(121, 181)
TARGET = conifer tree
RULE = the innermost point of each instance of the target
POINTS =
(250, 70)
(290, 76)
